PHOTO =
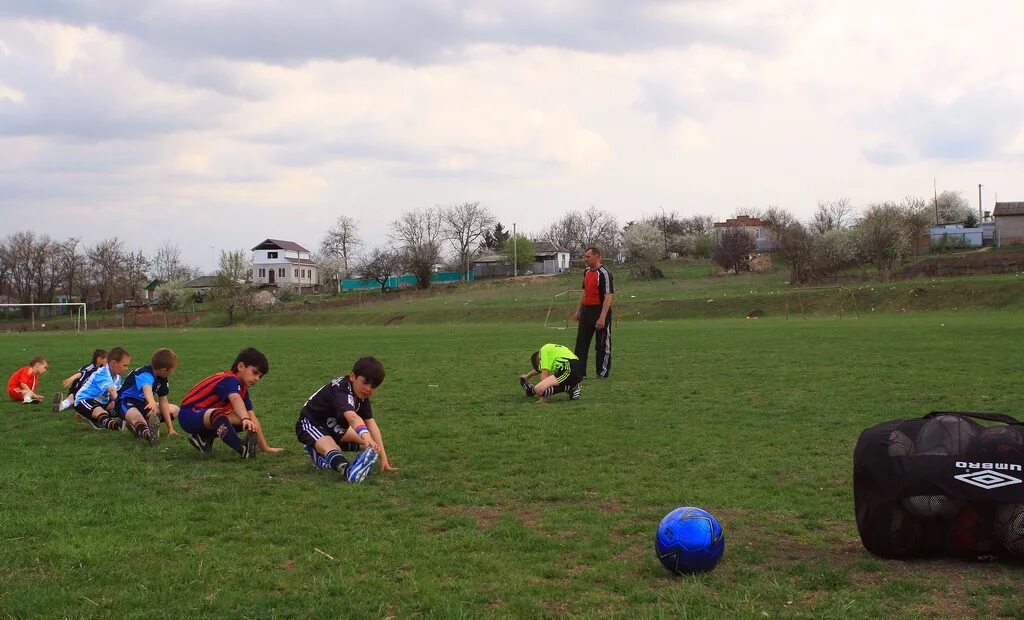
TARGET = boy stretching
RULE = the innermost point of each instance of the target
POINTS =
(137, 399)
(219, 406)
(95, 399)
(75, 381)
(23, 383)
(338, 416)
(559, 369)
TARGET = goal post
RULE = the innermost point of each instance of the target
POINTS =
(78, 308)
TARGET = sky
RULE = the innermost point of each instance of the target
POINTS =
(215, 124)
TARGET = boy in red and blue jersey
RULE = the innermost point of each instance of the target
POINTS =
(339, 416)
(137, 400)
(219, 406)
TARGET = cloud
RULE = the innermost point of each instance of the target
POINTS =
(280, 32)
(977, 124)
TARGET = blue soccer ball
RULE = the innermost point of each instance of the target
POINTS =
(689, 540)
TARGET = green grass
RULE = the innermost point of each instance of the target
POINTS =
(502, 507)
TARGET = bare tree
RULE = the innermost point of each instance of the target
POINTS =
(105, 260)
(565, 231)
(419, 233)
(831, 215)
(134, 268)
(696, 225)
(734, 245)
(463, 226)
(167, 265)
(578, 230)
(380, 265)
(72, 265)
(341, 240)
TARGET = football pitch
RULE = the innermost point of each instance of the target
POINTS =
(503, 507)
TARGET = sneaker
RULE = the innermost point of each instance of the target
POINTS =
(57, 399)
(154, 432)
(527, 387)
(203, 443)
(574, 391)
(249, 443)
(360, 467)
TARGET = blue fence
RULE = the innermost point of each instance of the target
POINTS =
(406, 281)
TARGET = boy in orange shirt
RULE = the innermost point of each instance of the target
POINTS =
(23, 383)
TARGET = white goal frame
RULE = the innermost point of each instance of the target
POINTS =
(81, 314)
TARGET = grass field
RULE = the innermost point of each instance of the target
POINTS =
(502, 507)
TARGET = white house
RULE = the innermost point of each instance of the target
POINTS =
(283, 263)
(549, 257)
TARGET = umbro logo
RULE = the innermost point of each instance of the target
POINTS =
(988, 479)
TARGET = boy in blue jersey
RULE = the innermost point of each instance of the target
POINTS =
(95, 399)
(219, 406)
(75, 381)
(339, 416)
(137, 399)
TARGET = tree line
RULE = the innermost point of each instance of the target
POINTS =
(35, 268)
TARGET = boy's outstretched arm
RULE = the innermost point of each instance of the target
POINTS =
(385, 464)
(67, 382)
(261, 439)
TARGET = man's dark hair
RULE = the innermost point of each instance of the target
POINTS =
(370, 369)
(535, 360)
(97, 354)
(252, 357)
(593, 250)
(117, 354)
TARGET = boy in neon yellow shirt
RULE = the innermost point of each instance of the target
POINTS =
(559, 369)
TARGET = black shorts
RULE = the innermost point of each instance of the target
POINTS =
(308, 431)
(124, 404)
(86, 407)
(573, 375)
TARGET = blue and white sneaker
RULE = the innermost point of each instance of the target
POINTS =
(360, 467)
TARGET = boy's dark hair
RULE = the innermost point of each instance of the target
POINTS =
(164, 359)
(39, 359)
(117, 354)
(593, 250)
(252, 357)
(97, 354)
(535, 361)
(370, 369)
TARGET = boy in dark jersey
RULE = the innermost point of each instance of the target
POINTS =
(219, 406)
(339, 416)
(137, 399)
(559, 369)
(77, 380)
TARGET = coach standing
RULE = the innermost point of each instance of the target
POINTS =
(595, 314)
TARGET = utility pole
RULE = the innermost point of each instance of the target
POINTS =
(935, 189)
(515, 252)
(664, 230)
(980, 214)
